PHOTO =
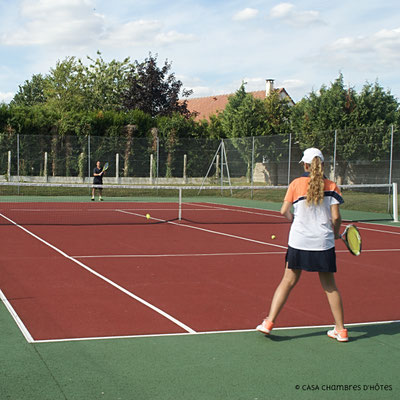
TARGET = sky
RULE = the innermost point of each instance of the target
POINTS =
(213, 45)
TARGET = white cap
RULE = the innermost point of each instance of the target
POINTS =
(310, 153)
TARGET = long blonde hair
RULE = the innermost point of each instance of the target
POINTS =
(315, 192)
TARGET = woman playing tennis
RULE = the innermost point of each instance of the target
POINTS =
(311, 247)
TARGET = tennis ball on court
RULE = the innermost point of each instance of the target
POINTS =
(148, 216)
(273, 236)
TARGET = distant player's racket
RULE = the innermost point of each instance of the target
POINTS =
(352, 239)
(105, 168)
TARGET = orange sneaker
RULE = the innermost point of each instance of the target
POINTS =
(265, 327)
(340, 336)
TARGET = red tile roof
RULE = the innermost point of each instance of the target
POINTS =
(207, 106)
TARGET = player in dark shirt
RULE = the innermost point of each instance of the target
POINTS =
(98, 180)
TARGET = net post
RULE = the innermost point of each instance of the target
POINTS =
(395, 203)
(180, 205)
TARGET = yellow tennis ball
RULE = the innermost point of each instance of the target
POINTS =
(273, 236)
(148, 216)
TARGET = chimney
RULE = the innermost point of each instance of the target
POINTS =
(269, 86)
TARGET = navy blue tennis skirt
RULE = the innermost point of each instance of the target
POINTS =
(307, 260)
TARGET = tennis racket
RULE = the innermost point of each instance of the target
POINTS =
(352, 239)
(105, 168)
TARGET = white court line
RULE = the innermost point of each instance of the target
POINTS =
(179, 255)
(377, 230)
(189, 330)
(16, 317)
(210, 332)
(207, 230)
(211, 254)
(130, 294)
(218, 207)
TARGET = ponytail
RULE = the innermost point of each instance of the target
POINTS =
(315, 192)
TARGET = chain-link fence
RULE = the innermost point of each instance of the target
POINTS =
(371, 158)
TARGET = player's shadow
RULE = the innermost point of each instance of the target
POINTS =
(358, 332)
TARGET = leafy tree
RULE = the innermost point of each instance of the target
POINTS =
(274, 148)
(103, 83)
(278, 114)
(73, 86)
(64, 88)
(154, 90)
(329, 109)
(337, 108)
(245, 117)
(6, 136)
(376, 109)
(173, 131)
(31, 92)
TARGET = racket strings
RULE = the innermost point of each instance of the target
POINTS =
(354, 240)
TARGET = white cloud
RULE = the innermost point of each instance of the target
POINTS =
(143, 32)
(247, 13)
(288, 13)
(133, 32)
(293, 84)
(75, 23)
(252, 84)
(382, 47)
(62, 22)
(6, 97)
(201, 91)
(173, 37)
(282, 10)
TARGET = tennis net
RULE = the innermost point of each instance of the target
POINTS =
(72, 204)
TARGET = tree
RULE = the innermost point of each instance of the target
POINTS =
(103, 83)
(31, 92)
(274, 148)
(173, 131)
(245, 117)
(64, 88)
(155, 91)
(329, 109)
(376, 109)
(340, 112)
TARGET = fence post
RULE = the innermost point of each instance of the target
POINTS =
(89, 174)
(395, 203)
(18, 159)
(117, 167)
(151, 167)
(184, 168)
(158, 158)
(391, 154)
(45, 167)
(252, 167)
(334, 157)
(290, 157)
(9, 166)
(217, 167)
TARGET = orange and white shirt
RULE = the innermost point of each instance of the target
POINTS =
(312, 224)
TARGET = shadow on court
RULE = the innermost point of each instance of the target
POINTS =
(356, 333)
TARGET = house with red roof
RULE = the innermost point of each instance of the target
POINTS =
(204, 107)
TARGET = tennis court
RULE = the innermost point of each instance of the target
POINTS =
(72, 272)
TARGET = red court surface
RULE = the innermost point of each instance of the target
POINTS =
(216, 270)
